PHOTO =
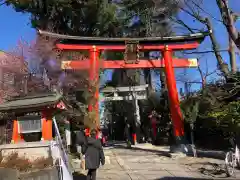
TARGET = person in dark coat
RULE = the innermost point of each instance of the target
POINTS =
(94, 154)
(80, 137)
(80, 140)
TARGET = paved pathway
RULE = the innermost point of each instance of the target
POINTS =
(113, 169)
(156, 164)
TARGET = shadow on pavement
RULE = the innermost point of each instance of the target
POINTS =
(209, 154)
(79, 176)
(201, 153)
(179, 178)
(187, 178)
(208, 168)
(158, 152)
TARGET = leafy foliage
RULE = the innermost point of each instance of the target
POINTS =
(228, 117)
(75, 17)
(190, 109)
(214, 111)
(150, 18)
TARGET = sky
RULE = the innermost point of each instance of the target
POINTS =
(16, 26)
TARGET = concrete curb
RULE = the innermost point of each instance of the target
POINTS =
(200, 152)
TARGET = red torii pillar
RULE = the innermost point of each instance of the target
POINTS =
(168, 62)
(175, 110)
(94, 83)
(94, 79)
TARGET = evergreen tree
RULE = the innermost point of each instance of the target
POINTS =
(74, 17)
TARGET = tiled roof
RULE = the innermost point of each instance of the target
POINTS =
(31, 102)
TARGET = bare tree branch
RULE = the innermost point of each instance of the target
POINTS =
(179, 21)
(229, 21)
(232, 55)
(204, 11)
(222, 65)
(206, 51)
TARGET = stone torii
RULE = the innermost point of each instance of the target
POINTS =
(135, 93)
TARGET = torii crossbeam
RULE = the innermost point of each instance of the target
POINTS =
(132, 46)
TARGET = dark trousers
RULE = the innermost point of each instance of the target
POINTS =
(92, 173)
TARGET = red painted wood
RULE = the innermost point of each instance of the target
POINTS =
(117, 64)
(47, 133)
(94, 80)
(173, 94)
(16, 137)
(168, 63)
(192, 45)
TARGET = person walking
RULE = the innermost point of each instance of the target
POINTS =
(80, 140)
(94, 154)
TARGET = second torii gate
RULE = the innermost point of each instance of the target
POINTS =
(135, 93)
(132, 46)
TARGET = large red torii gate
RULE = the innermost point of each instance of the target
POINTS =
(132, 46)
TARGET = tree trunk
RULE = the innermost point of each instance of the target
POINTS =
(193, 145)
(232, 56)
(25, 85)
(222, 65)
(148, 78)
(203, 78)
(164, 97)
(165, 119)
(147, 75)
(229, 19)
(163, 80)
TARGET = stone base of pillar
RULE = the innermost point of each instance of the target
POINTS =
(179, 146)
